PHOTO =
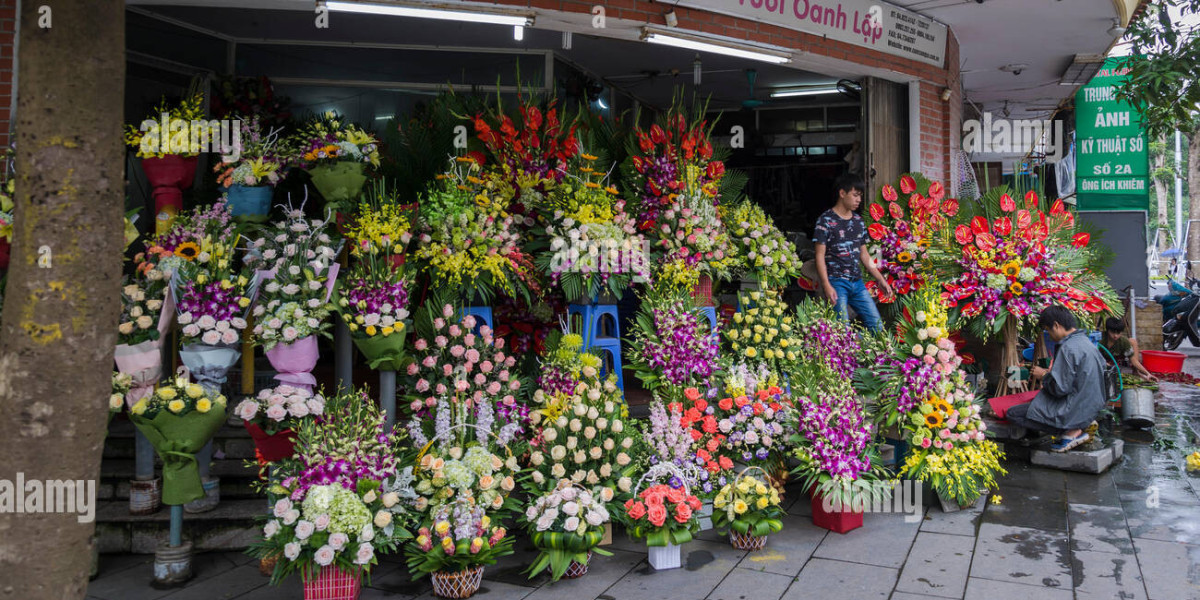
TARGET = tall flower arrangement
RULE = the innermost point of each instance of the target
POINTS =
(335, 153)
(901, 226)
(373, 300)
(763, 251)
(256, 160)
(822, 334)
(530, 148)
(673, 347)
(763, 333)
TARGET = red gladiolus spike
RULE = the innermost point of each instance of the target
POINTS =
(889, 193)
(1007, 204)
(876, 211)
(908, 185)
(533, 118)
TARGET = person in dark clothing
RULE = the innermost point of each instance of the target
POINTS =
(1123, 349)
(839, 239)
(1072, 388)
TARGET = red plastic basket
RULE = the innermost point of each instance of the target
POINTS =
(331, 583)
(1161, 361)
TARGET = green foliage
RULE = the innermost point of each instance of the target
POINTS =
(1161, 80)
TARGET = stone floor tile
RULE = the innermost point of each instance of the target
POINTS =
(787, 551)
(987, 589)
(1165, 522)
(963, 522)
(231, 584)
(883, 540)
(603, 572)
(1021, 507)
(1092, 490)
(937, 565)
(134, 583)
(823, 578)
(743, 584)
(111, 564)
(1022, 555)
(491, 590)
(906, 596)
(1108, 575)
(289, 589)
(705, 565)
(1099, 529)
(1171, 571)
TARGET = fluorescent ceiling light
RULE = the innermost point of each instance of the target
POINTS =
(398, 10)
(702, 44)
(519, 32)
(811, 91)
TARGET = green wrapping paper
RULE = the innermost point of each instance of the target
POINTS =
(384, 353)
(177, 438)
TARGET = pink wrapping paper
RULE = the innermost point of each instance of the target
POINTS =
(295, 362)
(142, 362)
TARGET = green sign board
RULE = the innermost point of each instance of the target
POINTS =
(1112, 168)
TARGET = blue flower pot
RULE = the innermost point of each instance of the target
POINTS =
(251, 202)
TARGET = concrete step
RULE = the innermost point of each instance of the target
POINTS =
(1093, 459)
(236, 478)
(230, 441)
(230, 526)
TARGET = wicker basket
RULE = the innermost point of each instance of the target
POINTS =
(577, 570)
(744, 541)
(458, 584)
(331, 583)
(266, 565)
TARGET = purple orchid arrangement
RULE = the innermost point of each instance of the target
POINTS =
(673, 346)
(834, 436)
(210, 312)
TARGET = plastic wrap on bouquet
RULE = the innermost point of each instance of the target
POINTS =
(340, 181)
(272, 447)
(142, 362)
(209, 365)
(177, 439)
(383, 352)
(294, 362)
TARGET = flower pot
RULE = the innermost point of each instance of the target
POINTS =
(577, 569)
(835, 518)
(266, 565)
(294, 362)
(331, 583)
(338, 182)
(664, 557)
(272, 448)
(145, 496)
(168, 176)
(457, 584)
(249, 203)
(745, 541)
(702, 293)
(950, 505)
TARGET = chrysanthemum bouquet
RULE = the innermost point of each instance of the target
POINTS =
(663, 515)
(457, 536)
(748, 507)
(763, 333)
(295, 259)
(673, 346)
(762, 251)
(588, 442)
(566, 525)
(256, 159)
(279, 408)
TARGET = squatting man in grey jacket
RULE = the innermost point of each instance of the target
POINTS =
(1072, 388)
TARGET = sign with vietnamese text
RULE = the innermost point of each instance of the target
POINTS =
(1113, 164)
(866, 23)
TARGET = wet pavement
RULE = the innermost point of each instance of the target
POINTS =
(1130, 533)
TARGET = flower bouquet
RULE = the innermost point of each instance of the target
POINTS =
(334, 152)
(750, 510)
(762, 333)
(531, 149)
(295, 258)
(461, 456)
(178, 419)
(673, 347)
(469, 246)
(567, 525)
(381, 226)
(821, 333)
(753, 427)
(373, 303)
(663, 515)
(899, 238)
(563, 367)
(270, 418)
(250, 172)
(594, 245)
(763, 252)
(146, 311)
(121, 384)
(451, 359)
(681, 438)
(169, 162)
(457, 541)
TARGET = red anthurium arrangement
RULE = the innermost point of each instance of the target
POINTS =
(900, 228)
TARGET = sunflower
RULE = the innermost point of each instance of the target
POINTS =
(1011, 268)
(187, 250)
(904, 257)
(933, 419)
(941, 405)
(923, 243)
(1016, 287)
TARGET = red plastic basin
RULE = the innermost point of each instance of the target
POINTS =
(1160, 361)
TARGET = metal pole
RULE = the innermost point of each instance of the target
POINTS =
(387, 397)
(143, 468)
(177, 525)
(343, 351)
(1179, 199)
(1132, 314)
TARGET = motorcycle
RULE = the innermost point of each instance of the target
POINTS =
(1181, 314)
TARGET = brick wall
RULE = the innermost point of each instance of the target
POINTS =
(8, 29)
(941, 121)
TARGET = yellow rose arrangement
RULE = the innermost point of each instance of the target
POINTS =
(749, 507)
(179, 397)
(763, 333)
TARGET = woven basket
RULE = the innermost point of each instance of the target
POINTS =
(744, 541)
(332, 583)
(458, 584)
(266, 565)
(577, 570)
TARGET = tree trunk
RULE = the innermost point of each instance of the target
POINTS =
(1163, 193)
(1193, 179)
(63, 297)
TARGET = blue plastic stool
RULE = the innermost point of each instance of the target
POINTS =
(482, 314)
(595, 322)
(609, 351)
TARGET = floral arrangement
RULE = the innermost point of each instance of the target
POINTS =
(567, 525)
(344, 527)
(563, 368)
(179, 397)
(457, 537)
(1013, 262)
(673, 347)
(294, 302)
(663, 515)
(821, 333)
(329, 138)
(683, 442)
(209, 311)
(122, 383)
(753, 427)
(588, 441)
(763, 333)
(279, 408)
(141, 308)
(763, 251)
(381, 225)
(253, 161)
(531, 149)
(452, 357)
(594, 244)
(748, 507)
(899, 239)
(189, 108)
(470, 246)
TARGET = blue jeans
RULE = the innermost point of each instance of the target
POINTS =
(854, 292)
